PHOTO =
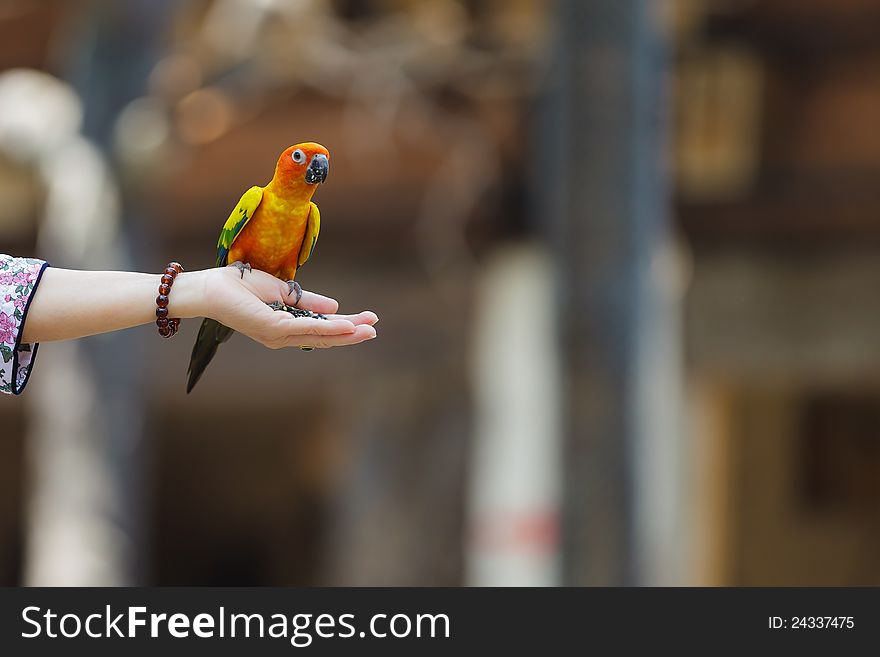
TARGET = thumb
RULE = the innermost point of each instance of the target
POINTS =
(269, 289)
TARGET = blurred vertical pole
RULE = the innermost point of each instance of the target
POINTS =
(603, 141)
(86, 448)
(513, 494)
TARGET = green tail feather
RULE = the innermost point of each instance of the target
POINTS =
(211, 335)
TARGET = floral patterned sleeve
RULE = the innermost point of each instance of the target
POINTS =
(19, 278)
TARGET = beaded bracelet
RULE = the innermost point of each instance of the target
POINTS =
(167, 326)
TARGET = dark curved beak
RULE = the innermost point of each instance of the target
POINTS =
(318, 169)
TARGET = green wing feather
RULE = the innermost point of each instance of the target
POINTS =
(238, 219)
(311, 237)
(212, 333)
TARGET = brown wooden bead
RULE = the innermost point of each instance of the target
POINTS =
(167, 326)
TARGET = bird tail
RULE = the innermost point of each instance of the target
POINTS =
(211, 335)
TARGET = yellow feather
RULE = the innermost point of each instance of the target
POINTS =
(237, 220)
(311, 236)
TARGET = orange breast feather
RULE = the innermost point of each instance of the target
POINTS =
(271, 240)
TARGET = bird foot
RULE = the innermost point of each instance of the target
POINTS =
(296, 312)
(242, 267)
(295, 290)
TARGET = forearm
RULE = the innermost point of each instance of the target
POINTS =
(73, 304)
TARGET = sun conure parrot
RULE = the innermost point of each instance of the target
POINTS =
(274, 229)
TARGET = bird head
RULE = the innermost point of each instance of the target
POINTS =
(303, 163)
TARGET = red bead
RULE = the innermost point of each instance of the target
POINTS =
(166, 325)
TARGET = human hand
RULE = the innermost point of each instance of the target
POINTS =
(239, 302)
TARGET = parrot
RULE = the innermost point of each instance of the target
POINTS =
(273, 228)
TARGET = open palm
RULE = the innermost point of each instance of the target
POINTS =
(239, 302)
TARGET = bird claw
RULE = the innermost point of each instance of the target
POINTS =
(242, 267)
(294, 289)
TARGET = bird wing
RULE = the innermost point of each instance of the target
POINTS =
(242, 213)
(311, 236)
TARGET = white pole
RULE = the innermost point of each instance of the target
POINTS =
(514, 492)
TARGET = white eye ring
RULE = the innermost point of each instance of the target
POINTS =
(298, 156)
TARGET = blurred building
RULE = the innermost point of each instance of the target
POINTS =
(778, 198)
(673, 382)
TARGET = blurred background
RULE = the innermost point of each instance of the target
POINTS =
(625, 255)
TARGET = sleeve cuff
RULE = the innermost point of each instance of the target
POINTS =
(24, 355)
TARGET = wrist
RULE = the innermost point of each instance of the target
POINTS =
(188, 298)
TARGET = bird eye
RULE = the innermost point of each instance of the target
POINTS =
(298, 156)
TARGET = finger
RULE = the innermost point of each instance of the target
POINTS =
(306, 326)
(361, 334)
(313, 301)
(363, 317)
(265, 286)
(268, 289)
